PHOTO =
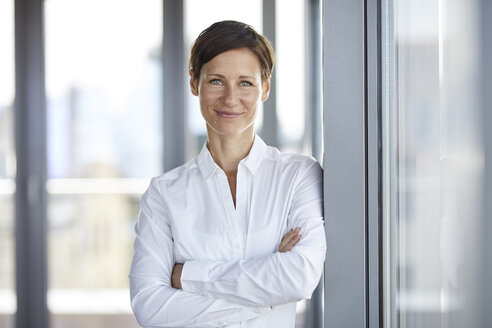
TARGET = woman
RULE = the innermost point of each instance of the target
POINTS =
(218, 241)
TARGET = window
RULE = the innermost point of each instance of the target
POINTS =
(103, 78)
(291, 70)
(7, 166)
(103, 81)
(432, 158)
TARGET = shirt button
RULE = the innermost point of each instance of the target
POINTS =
(236, 246)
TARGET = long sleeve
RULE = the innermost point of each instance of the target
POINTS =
(280, 277)
(154, 301)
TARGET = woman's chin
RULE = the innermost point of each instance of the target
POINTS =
(230, 131)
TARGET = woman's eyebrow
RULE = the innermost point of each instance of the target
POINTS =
(240, 76)
(216, 74)
(246, 77)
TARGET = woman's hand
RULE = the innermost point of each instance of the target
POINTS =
(289, 240)
(176, 276)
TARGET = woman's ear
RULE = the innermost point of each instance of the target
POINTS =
(266, 89)
(193, 84)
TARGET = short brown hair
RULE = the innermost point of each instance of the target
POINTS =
(227, 35)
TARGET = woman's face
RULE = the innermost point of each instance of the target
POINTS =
(230, 90)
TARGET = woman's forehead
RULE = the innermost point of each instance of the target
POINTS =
(237, 61)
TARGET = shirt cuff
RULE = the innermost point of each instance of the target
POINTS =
(194, 275)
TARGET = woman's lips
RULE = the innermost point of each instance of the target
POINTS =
(225, 114)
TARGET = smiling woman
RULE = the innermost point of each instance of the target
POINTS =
(234, 236)
(230, 88)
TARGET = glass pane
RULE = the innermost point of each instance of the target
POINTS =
(432, 159)
(7, 166)
(103, 73)
(291, 71)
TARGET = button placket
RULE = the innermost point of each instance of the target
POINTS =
(223, 189)
(231, 214)
(240, 208)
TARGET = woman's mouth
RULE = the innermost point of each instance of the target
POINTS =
(226, 114)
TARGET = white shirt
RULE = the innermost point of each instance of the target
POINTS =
(233, 274)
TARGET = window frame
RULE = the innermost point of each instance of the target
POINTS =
(483, 290)
(352, 167)
(30, 145)
(354, 41)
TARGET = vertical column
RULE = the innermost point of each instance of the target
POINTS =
(314, 306)
(30, 142)
(269, 130)
(173, 84)
(344, 105)
(485, 82)
(314, 128)
(373, 162)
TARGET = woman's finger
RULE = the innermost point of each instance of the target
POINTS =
(291, 234)
(290, 244)
(285, 238)
(294, 241)
(289, 240)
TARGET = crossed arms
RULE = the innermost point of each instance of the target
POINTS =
(217, 293)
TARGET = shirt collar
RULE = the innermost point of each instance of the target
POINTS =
(206, 162)
(255, 156)
(252, 161)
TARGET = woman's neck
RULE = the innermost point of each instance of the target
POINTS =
(228, 151)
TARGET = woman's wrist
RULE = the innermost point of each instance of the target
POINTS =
(176, 276)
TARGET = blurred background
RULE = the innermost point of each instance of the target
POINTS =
(119, 111)
(105, 135)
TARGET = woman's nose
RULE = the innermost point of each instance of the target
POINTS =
(231, 96)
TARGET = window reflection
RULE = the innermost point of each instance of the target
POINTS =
(103, 80)
(432, 160)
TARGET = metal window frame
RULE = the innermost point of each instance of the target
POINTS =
(173, 85)
(313, 126)
(30, 144)
(484, 287)
(270, 134)
(352, 166)
(352, 161)
(374, 163)
(313, 89)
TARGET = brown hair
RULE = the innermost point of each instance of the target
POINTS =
(227, 35)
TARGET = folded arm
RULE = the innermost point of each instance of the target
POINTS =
(286, 244)
(154, 301)
(280, 277)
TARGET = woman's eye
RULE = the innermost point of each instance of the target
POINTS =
(215, 82)
(246, 83)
